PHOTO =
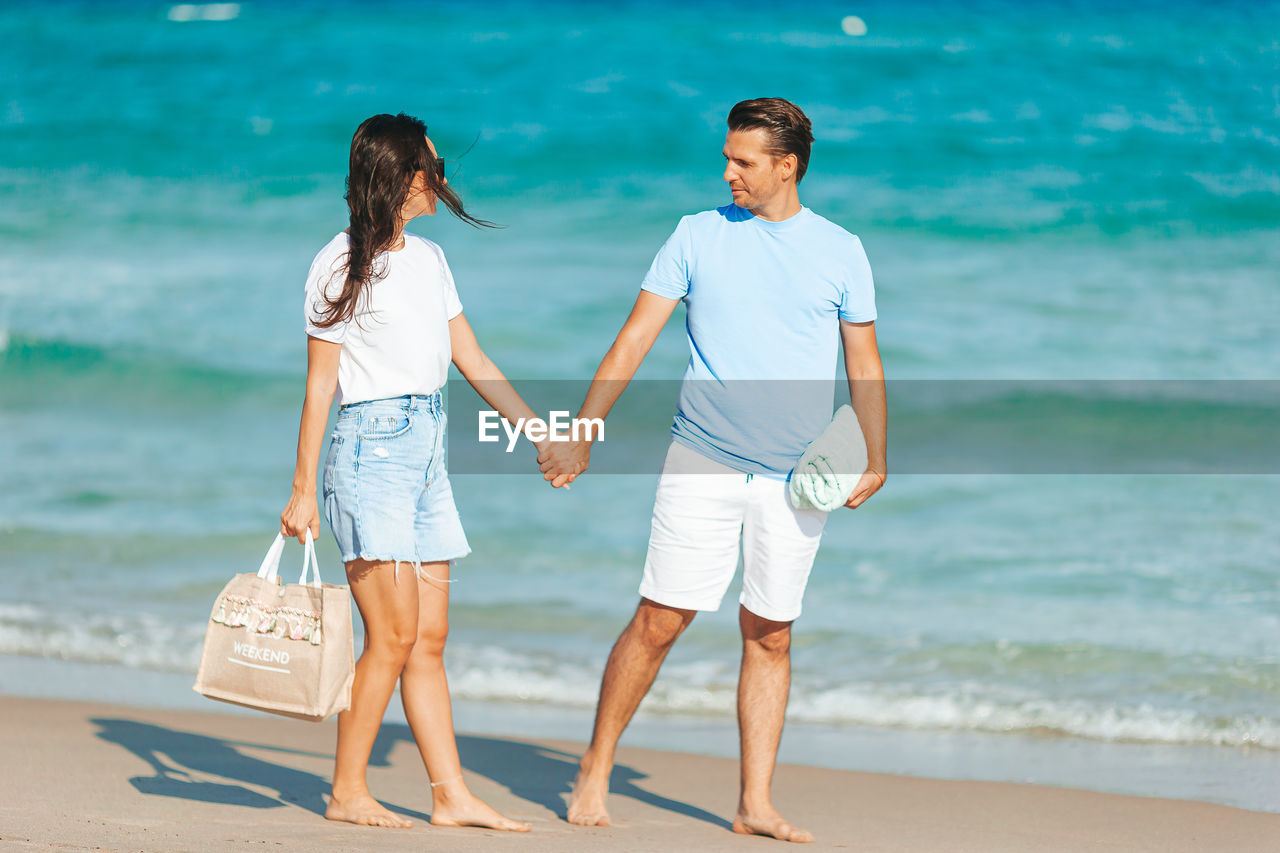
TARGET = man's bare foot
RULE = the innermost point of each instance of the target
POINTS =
(769, 823)
(365, 811)
(586, 803)
(463, 808)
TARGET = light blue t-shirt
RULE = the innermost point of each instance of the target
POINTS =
(764, 302)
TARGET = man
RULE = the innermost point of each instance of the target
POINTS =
(769, 286)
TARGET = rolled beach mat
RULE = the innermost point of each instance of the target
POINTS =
(831, 465)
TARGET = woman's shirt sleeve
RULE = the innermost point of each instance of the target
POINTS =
(325, 281)
(452, 304)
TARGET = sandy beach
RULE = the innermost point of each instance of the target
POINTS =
(1055, 628)
(105, 777)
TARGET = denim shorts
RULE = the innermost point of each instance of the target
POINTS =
(386, 491)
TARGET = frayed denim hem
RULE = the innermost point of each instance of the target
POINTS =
(417, 564)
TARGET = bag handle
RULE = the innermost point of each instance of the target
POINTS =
(271, 563)
(270, 567)
(309, 558)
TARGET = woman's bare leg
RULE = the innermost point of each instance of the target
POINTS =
(424, 690)
(389, 609)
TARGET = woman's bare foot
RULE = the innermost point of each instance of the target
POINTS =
(460, 807)
(769, 823)
(586, 803)
(365, 811)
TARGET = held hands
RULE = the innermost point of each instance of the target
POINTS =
(868, 485)
(300, 513)
(562, 461)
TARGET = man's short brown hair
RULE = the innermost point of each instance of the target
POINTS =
(788, 128)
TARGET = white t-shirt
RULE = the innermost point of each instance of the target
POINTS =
(398, 341)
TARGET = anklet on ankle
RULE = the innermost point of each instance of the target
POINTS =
(445, 781)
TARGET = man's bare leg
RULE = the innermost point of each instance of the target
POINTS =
(633, 664)
(763, 686)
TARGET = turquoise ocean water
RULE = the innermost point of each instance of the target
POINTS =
(1084, 191)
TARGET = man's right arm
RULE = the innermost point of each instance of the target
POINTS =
(650, 313)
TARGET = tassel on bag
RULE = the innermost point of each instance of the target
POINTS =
(236, 611)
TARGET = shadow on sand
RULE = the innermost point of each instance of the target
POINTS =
(536, 774)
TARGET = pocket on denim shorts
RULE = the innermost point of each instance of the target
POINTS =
(386, 426)
(327, 482)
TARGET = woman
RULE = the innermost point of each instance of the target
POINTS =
(383, 322)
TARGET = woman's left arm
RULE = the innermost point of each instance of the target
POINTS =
(486, 378)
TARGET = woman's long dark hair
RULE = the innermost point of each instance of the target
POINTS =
(386, 153)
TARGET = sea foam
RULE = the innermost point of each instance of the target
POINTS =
(482, 672)
(184, 12)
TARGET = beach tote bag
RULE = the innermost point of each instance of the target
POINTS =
(281, 648)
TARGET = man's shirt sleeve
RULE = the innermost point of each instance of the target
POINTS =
(858, 298)
(669, 274)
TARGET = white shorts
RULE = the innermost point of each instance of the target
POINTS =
(702, 510)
